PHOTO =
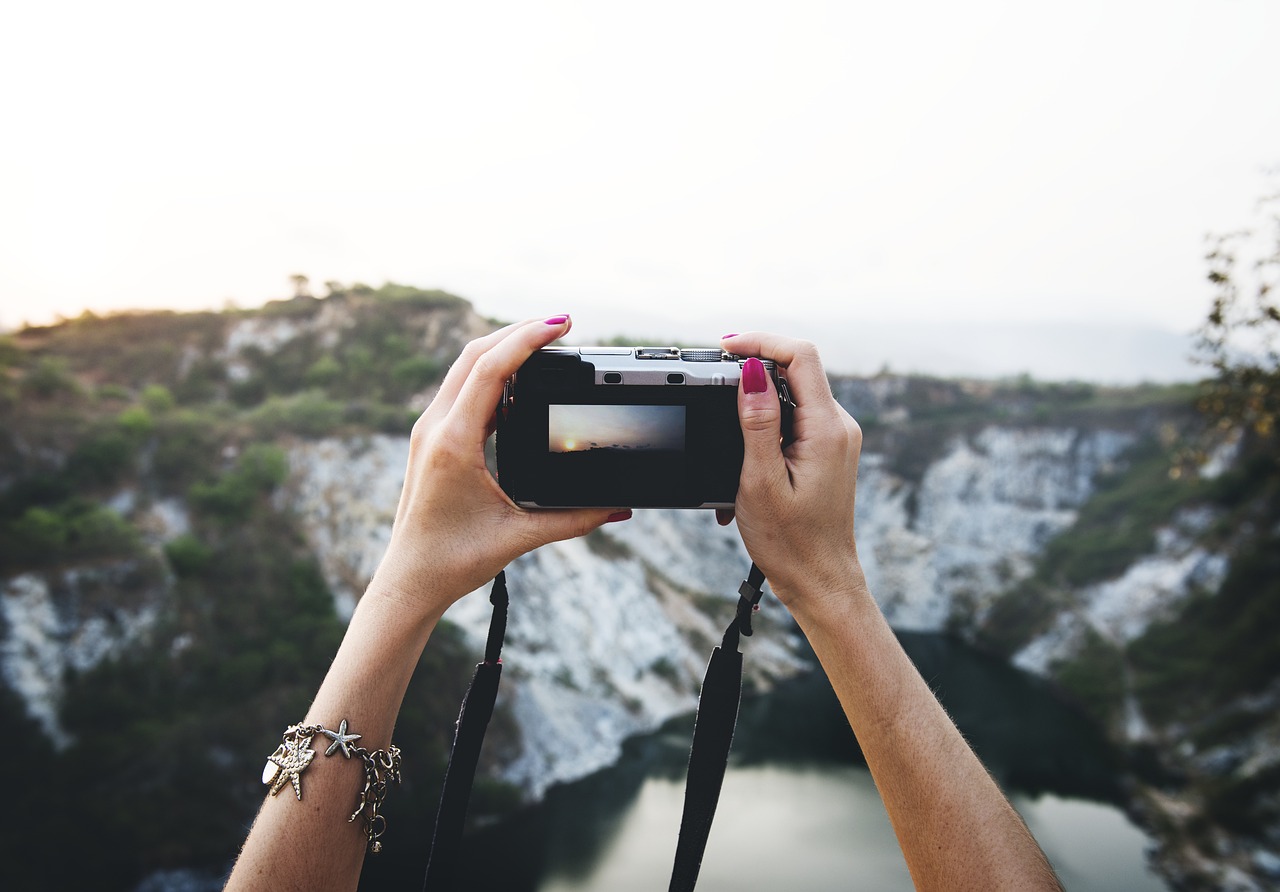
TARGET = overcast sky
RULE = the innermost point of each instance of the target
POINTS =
(726, 161)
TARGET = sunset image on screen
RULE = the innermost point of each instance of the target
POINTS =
(620, 428)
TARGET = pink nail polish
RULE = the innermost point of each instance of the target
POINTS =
(754, 377)
(619, 515)
(557, 320)
(726, 337)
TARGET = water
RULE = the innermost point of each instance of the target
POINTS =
(799, 809)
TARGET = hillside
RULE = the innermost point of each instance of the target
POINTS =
(190, 504)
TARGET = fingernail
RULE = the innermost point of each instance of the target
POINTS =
(557, 320)
(754, 378)
(619, 515)
(726, 337)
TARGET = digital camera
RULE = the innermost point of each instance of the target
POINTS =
(640, 427)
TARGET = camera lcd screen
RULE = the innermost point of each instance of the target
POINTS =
(566, 441)
(615, 429)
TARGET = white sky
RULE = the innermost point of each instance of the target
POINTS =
(889, 161)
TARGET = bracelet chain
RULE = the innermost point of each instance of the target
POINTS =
(381, 768)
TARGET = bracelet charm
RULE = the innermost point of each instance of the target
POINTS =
(287, 763)
(381, 768)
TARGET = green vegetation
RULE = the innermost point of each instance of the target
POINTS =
(1096, 677)
(231, 498)
(1118, 524)
(1204, 677)
(101, 417)
(75, 530)
(1226, 643)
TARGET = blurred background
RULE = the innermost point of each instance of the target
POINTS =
(990, 171)
(240, 245)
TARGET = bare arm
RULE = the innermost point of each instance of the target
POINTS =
(454, 530)
(795, 512)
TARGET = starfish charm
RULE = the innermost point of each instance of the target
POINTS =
(341, 740)
(290, 759)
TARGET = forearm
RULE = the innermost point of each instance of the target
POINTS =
(956, 828)
(310, 843)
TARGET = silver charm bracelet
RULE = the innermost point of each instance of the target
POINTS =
(381, 767)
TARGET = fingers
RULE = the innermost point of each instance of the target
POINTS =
(461, 367)
(805, 375)
(478, 396)
(761, 419)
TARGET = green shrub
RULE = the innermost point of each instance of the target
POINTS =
(323, 371)
(308, 414)
(188, 556)
(379, 417)
(113, 392)
(157, 398)
(39, 532)
(136, 421)
(10, 352)
(101, 459)
(203, 382)
(418, 298)
(413, 374)
(186, 448)
(260, 469)
(49, 377)
(1095, 676)
(76, 529)
(249, 392)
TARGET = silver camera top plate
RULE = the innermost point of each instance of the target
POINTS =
(660, 365)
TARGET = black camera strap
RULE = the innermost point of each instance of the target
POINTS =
(473, 720)
(712, 737)
(708, 756)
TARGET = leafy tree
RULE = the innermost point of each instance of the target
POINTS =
(1239, 337)
(301, 285)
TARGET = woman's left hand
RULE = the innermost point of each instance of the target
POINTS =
(455, 528)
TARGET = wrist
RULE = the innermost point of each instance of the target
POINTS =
(416, 594)
(829, 588)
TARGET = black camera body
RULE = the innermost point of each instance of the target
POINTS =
(640, 427)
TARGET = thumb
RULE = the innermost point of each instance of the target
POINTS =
(556, 524)
(761, 419)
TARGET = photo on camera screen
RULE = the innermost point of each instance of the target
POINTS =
(615, 429)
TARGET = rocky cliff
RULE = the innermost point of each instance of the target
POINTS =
(970, 497)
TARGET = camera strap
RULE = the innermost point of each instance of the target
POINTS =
(708, 756)
(473, 720)
(712, 737)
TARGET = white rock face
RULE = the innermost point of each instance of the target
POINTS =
(45, 637)
(270, 333)
(346, 493)
(607, 636)
(982, 513)
(1120, 610)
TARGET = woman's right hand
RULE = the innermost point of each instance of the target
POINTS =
(455, 528)
(795, 504)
